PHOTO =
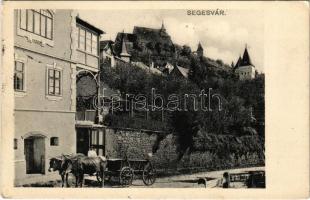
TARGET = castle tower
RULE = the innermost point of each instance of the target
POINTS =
(244, 67)
(200, 50)
(124, 54)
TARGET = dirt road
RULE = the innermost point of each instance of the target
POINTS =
(179, 181)
(190, 181)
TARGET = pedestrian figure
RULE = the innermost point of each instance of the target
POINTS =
(91, 152)
(226, 180)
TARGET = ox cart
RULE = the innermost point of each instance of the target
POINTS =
(127, 169)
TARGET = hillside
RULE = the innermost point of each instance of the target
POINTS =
(155, 45)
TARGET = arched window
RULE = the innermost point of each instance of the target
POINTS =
(39, 22)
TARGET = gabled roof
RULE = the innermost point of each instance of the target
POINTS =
(89, 26)
(184, 71)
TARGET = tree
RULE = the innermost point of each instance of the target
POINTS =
(219, 61)
(238, 98)
(186, 51)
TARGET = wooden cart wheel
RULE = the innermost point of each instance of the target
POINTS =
(149, 175)
(126, 176)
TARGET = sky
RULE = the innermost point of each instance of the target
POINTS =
(222, 37)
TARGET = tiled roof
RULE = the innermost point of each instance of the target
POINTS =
(184, 71)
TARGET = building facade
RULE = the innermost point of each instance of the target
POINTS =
(52, 48)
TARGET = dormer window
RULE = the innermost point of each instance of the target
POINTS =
(38, 22)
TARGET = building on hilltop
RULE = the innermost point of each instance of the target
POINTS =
(146, 45)
(244, 67)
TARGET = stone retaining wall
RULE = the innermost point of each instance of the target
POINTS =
(136, 144)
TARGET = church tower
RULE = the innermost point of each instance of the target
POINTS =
(200, 50)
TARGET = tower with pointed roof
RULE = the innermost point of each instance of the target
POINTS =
(162, 30)
(200, 50)
(163, 26)
(246, 60)
(125, 56)
(244, 67)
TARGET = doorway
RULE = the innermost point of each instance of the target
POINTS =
(82, 144)
(35, 155)
(90, 137)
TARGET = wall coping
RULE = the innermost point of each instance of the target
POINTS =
(139, 130)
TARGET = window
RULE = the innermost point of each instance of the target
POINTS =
(39, 22)
(54, 82)
(19, 76)
(87, 41)
(23, 19)
(15, 143)
(97, 141)
(54, 141)
(94, 44)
